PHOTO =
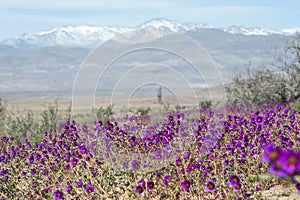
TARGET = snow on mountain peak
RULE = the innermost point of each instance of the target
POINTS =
(68, 36)
(291, 31)
(164, 24)
(249, 31)
(86, 36)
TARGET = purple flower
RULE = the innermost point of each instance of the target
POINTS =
(209, 169)
(247, 195)
(31, 159)
(88, 158)
(178, 162)
(2, 159)
(58, 195)
(34, 185)
(84, 150)
(226, 162)
(69, 189)
(169, 137)
(238, 187)
(33, 171)
(210, 186)
(68, 167)
(79, 184)
(170, 118)
(74, 162)
(234, 180)
(45, 172)
(158, 176)
(89, 190)
(149, 144)
(3, 172)
(5, 139)
(142, 182)
(52, 165)
(289, 161)
(91, 169)
(139, 189)
(271, 154)
(67, 156)
(37, 156)
(186, 185)
(135, 165)
(279, 107)
(276, 169)
(46, 189)
(259, 120)
(99, 123)
(257, 188)
(150, 185)
(297, 186)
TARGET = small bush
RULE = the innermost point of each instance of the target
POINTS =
(263, 86)
(205, 104)
(105, 113)
(141, 111)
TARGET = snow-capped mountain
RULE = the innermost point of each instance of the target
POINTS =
(69, 36)
(291, 31)
(89, 36)
(175, 26)
(27, 66)
(249, 31)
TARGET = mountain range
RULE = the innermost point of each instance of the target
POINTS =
(88, 36)
(44, 64)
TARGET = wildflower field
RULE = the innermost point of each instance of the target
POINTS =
(201, 154)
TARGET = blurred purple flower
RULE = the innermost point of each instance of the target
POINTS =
(79, 183)
(69, 189)
(74, 162)
(142, 182)
(210, 186)
(277, 170)
(247, 195)
(289, 161)
(31, 159)
(297, 186)
(238, 187)
(89, 190)
(158, 176)
(234, 180)
(58, 195)
(84, 150)
(33, 171)
(257, 188)
(271, 154)
(46, 189)
(186, 185)
(5, 139)
(139, 189)
(150, 185)
(135, 165)
(167, 179)
(68, 166)
(259, 120)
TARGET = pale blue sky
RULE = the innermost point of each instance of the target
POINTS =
(26, 16)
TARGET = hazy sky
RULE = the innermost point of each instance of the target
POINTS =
(26, 16)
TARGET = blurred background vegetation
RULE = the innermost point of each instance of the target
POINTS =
(255, 87)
